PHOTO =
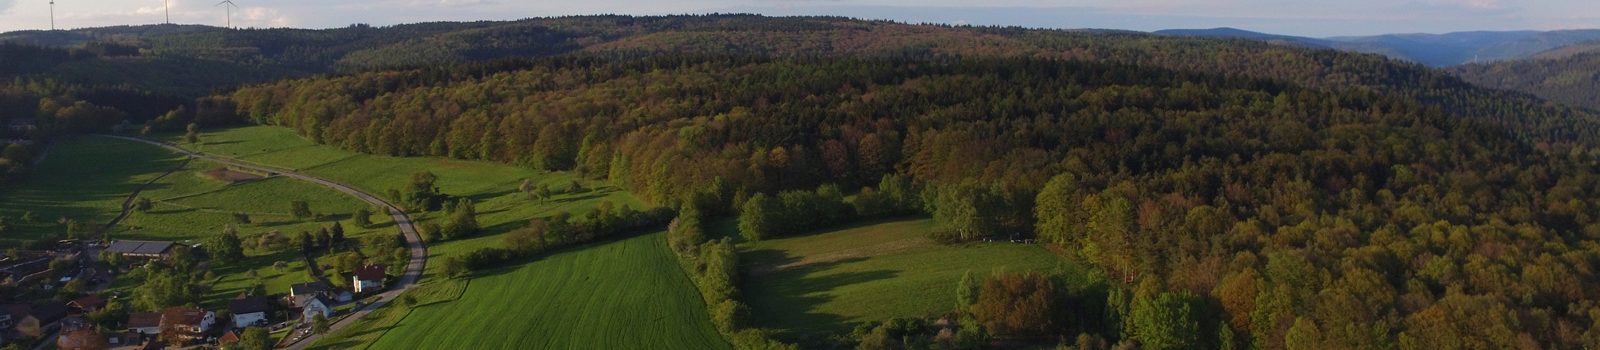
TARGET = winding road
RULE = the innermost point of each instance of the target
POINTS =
(419, 251)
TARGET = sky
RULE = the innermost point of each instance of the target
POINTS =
(1318, 18)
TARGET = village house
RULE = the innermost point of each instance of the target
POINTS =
(186, 323)
(300, 291)
(144, 323)
(228, 338)
(251, 311)
(87, 304)
(126, 340)
(311, 306)
(369, 279)
(34, 321)
(309, 288)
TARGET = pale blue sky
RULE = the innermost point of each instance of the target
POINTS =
(1297, 17)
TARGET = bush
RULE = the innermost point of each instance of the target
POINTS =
(729, 315)
(431, 232)
(759, 339)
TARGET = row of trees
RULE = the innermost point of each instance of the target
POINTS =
(561, 230)
(714, 266)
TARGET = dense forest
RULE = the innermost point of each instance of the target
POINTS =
(1569, 78)
(1289, 215)
(1238, 194)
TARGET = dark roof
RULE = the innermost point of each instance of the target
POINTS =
(144, 320)
(49, 313)
(312, 287)
(248, 305)
(300, 301)
(140, 247)
(88, 302)
(17, 311)
(371, 272)
(183, 315)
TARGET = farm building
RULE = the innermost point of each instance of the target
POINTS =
(141, 249)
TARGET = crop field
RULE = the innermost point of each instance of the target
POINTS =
(84, 179)
(501, 208)
(627, 294)
(828, 282)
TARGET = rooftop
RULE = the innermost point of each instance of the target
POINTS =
(183, 315)
(144, 320)
(140, 247)
(251, 304)
(371, 273)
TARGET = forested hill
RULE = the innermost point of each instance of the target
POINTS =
(1571, 77)
(1244, 193)
(187, 57)
(1280, 214)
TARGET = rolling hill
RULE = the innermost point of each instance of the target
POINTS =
(1437, 50)
(1569, 76)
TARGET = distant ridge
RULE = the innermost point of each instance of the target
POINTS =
(1236, 33)
(1437, 50)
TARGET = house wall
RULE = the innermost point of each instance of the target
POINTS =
(247, 320)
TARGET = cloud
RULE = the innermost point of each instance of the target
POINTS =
(262, 17)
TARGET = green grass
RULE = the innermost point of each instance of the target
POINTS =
(628, 294)
(235, 280)
(372, 326)
(192, 211)
(492, 186)
(84, 179)
(832, 281)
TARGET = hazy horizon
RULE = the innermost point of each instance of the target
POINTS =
(1304, 18)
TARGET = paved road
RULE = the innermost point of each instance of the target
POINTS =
(419, 251)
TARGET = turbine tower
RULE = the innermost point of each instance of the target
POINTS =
(52, 14)
(167, 5)
(228, 4)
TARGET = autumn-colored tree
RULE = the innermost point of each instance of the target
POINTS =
(1018, 304)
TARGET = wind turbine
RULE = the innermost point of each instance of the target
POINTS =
(52, 14)
(228, 4)
(167, 5)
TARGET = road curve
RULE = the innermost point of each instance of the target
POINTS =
(419, 251)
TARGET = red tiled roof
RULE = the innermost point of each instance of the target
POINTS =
(182, 315)
(371, 272)
(144, 320)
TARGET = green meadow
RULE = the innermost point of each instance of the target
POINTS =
(627, 294)
(492, 186)
(829, 282)
(83, 179)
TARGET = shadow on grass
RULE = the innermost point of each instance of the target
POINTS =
(788, 300)
(483, 197)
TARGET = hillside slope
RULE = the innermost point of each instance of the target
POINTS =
(1571, 77)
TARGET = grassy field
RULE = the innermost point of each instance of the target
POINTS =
(628, 294)
(84, 179)
(367, 331)
(88, 178)
(831, 281)
(493, 186)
